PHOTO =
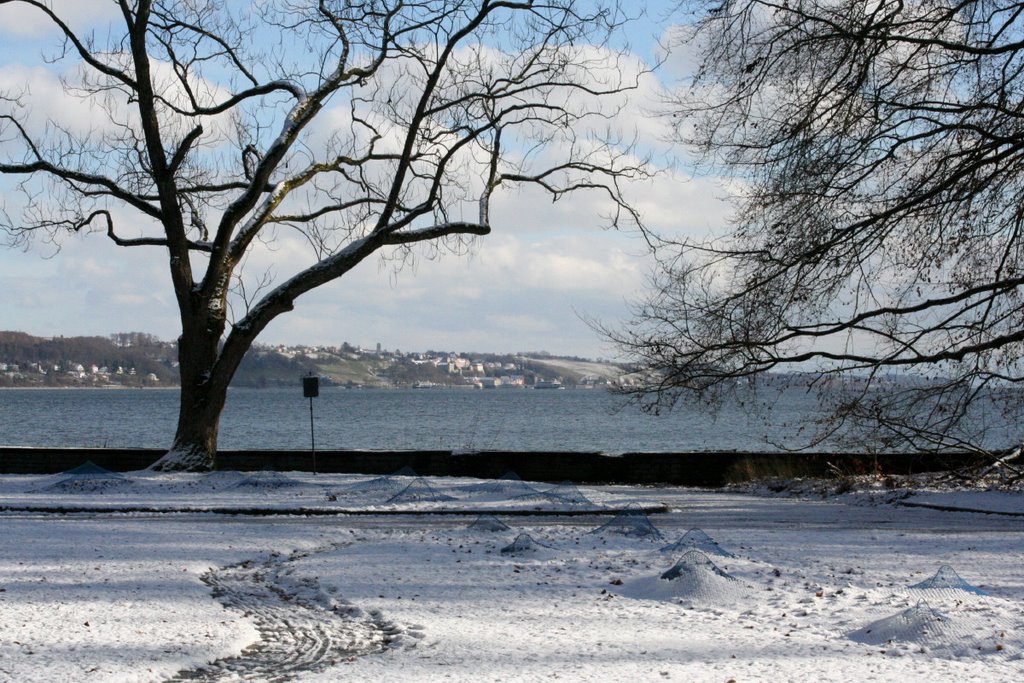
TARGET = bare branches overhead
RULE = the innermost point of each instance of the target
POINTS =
(876, 150)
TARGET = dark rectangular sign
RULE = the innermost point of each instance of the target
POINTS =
(310, 386)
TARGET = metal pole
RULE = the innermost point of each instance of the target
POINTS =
(312, 442)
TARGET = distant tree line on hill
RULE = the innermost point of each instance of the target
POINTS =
(141, 359)
(127, 358)
(124, 359)
(261, 369)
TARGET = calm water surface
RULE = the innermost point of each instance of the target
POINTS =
(571, 420)
(455, 419)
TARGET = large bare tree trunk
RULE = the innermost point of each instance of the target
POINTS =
(204, 383)
(195, 441)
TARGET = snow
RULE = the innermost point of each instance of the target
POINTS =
(994, 501)
(150, 578)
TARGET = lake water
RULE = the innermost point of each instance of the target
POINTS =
(570, 420)
(445, 419)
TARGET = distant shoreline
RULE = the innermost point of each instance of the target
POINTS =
(112, 387)
(176, 387)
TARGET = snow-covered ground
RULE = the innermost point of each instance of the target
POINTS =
(373, 579)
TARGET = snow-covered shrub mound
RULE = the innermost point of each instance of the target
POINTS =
(693, 578)
(631, 522)
(946, 579)
(488, 523)
(215, 480)
(90, 470)
(696, 539)
(87, 478)
(268, 480)
(568, 491)
(509, 484)
(389, 482)
(418, 491)
(564, 494)
(917, 625)
(72, 485)
(525, 544)
(693, 564)
(964, 629)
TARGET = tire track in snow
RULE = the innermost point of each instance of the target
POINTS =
(302, 627)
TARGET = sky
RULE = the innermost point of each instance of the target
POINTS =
(531, 285)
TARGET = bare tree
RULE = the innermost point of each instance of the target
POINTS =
(876, 153)
(218, 139)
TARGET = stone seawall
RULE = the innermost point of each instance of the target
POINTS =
(682, 469)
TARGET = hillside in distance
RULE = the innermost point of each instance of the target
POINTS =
(137, 359)
(130, 359)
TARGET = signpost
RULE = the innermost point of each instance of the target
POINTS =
(310, 390)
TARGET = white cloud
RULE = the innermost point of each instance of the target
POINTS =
(48, 101)
(91, 287)
(23, 20)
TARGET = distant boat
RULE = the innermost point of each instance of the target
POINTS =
(425, 385)
(545, 384)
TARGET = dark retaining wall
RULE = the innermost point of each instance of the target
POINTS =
(684, 469)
